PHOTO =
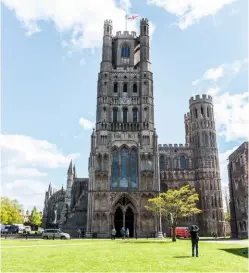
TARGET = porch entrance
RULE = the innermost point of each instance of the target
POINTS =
(124, 217)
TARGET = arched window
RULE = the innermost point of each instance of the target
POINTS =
(125, 51)
(240, 226)
(145, 114)
(210, 139)
(105, 163)
(183, 164)
(115, 115)
(125, 114)
(134, 88)
(145, 30)
(208, 112)
(115, 87)
(115, 168)
(202, 111)
(196, 114)
(125, 88)
(134, 115)
(162, 163)
(245, 225)
(206, 139)
(133, 168)
(124, 169)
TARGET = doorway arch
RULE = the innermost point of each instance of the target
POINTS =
(124, 216)
(118, 221)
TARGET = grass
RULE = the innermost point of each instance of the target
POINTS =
(120, 256)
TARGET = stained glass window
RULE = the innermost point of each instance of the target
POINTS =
(124, 170)
(133, 168)
(125, 88)
(125, 52)
(134, 88)
(183, 164)
(115, 115)
(134, 115)
(162, 163)
(115, 168)
(125, 111)
(115, 88)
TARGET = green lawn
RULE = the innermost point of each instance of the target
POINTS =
(120, 256)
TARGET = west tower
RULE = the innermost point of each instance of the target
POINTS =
(123, 163)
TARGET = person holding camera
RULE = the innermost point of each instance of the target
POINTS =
(194, 240)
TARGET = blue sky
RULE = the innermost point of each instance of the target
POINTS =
(50, 61)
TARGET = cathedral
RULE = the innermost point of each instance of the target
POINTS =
(127, 166)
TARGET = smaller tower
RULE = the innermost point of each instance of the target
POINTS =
(187, 122)
(74, 172)
(144, 45)
(106, 64)
(70, 175)
(207, 170)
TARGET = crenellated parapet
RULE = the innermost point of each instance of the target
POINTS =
(133, 34)
(177, 175)
(164, 147)
(144, 21)
(200, 99)
(108, 22)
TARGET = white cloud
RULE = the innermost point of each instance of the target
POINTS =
(86, 124)
(80, 22)
(213, 91)
(20, 151)
(222, 70)
(232, 115)
(190, 12)
(223, 165)
(22, 163)
(28, 192)
(27, 172)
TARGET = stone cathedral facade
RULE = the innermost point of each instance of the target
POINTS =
(126, 164)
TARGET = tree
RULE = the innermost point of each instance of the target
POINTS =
(35, 217)
(227, 222)
(174, 204)
(11, 211)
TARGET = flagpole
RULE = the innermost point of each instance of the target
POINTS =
(126, 17)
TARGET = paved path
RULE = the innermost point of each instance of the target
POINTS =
(237, 242)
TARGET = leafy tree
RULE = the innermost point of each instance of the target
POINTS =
(35, 217)
(175, 204)
(227, 216)
(11, 211)
(227, 222)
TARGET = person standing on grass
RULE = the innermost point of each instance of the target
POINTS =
(79, 232)
(113, 234)
(127, 233)
(194, 240)
(123, 233)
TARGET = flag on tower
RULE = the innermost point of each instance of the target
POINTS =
(132, 16)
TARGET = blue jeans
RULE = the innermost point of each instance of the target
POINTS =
(195, 247)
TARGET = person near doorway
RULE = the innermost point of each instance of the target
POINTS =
(127, 233)
(79, 233)
(123, 233)
(194, 240)
(113, 236)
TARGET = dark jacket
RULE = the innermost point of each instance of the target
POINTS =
(194, 233)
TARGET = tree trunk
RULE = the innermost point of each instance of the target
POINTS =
(174, 234)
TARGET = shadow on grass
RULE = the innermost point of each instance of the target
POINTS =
(180, 257)
(147, 242)
(243, 252)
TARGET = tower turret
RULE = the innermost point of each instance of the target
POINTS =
(203, 139)
(70, 177)
(144, 45)
(187, 122)
(106, 64)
